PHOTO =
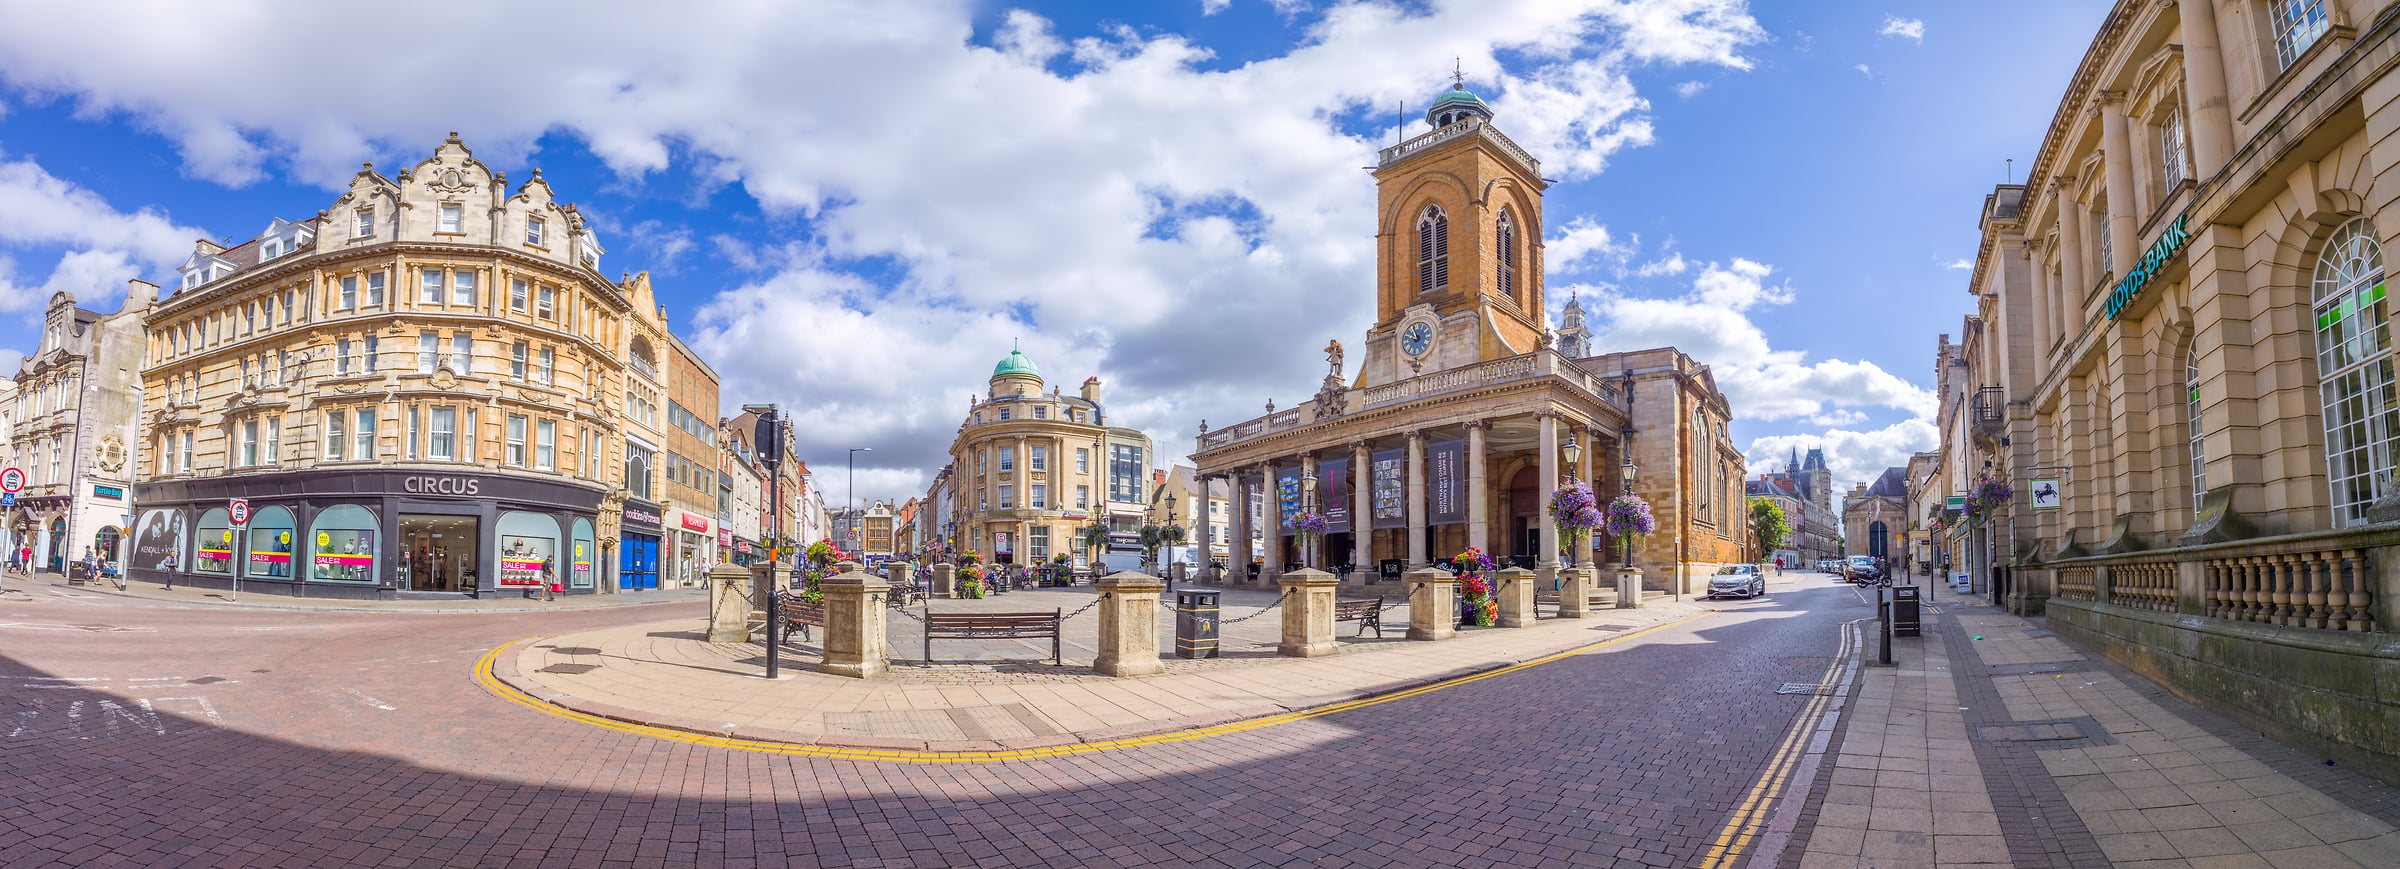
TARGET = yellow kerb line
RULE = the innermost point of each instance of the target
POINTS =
(484, 677)
(1751, 814)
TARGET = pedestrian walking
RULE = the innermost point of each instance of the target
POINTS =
(170, 568)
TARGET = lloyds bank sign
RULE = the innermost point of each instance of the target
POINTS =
(2160, 253)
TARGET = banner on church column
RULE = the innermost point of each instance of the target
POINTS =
(1333, 494)
(1388, 473)
(1447, 466)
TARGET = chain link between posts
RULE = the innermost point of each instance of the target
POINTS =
(1287, 593)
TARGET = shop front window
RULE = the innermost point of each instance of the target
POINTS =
(528, 549)
(580, 569)
(271, 544)
(343, 545)
(214, 554)
(438, 552)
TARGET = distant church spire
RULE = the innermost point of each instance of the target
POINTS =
(1574, 341)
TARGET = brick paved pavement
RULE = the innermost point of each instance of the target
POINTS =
(273, 738)
(2077, 762)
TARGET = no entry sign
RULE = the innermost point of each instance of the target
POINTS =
(239, 511)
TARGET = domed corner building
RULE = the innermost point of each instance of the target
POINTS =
(1031, 467)
(1465, 410)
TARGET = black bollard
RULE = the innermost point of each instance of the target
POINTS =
(774, 626)
(1883, 620)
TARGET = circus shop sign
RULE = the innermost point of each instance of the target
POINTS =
(2160, 253)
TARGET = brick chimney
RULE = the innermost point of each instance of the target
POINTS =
(1091, 389)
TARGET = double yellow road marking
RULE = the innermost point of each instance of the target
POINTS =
(492, 683)
(1751, 816)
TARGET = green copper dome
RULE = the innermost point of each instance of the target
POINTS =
(1458, 94)
(1017, 365)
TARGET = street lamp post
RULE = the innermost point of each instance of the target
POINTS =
(1573, 450)
(1168, 571)
(858, 518)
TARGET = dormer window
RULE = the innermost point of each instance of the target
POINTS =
(365, 223)
(533, 230)
(453, 218)
(270, 249)
(192, 279)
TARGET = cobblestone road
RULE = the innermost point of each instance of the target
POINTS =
(148, 733)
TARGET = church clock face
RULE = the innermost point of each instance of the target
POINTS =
(1416, 339)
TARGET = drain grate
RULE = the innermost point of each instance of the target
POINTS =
(575, 650)
(1804, 688)
(569, 669)
(207, 680)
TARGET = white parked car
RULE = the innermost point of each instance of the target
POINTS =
(1741, 579)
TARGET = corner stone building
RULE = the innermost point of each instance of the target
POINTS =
(71, 429)
(1031, 468)
(1457, 423)
(418, 390)
(2184, 326)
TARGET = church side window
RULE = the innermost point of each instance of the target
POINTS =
(2354, 364)
(1506, 236)
(1433, 250)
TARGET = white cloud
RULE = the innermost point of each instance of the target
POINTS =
(38, 208)
(1714, 320)
(1863, 70)
(92, 276)
(1690, 89)
(1906, 28)
(1854, 456)
(1586, 245)
(1212, 7)
(1006, 181)
(1960, 264)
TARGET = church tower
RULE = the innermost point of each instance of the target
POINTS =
(1458, 247)
(1575, 341)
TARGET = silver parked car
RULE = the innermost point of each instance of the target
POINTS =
(1741, 579)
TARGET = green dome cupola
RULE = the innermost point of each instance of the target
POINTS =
(1456, 105)
(1016, 365)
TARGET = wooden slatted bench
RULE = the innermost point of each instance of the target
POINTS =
(995, 626)
(800, 615)
(1366, 611)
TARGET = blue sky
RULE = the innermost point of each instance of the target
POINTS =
(854, 208)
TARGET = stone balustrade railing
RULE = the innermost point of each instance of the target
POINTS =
(1472, 126)
(2322, 580)
(2318, 589)
(2147, 585)
(2077, 583)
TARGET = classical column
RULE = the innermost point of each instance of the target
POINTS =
(1237, 550)
(1549, 480)
(1023, 483)
(1310, 554)
(1270, 516)
(2123, 231)
(1203, 531)
(1479, 508)
(1362, 511)
(1416, 501)
(2211, 124)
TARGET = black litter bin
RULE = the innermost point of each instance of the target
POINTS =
(1904, 610)
(1196, 623)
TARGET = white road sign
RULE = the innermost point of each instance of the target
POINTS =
(239, 511)
(12, 480)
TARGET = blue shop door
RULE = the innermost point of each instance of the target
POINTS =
(638, 568)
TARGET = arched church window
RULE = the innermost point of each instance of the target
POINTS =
(1433, 250)
(1507, 238)
(2354, 367)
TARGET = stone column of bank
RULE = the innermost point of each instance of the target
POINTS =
(1270, 516)
(2204, 87)
(1237, 550)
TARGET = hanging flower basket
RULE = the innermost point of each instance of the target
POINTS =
(1628, 519)
(1309, 527)
(1576, 514)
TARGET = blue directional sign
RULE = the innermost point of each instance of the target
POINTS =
(8, 499)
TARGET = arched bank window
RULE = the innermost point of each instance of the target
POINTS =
(213, 552)
(2191, 416)
(2354, 364)
(270, 544)
(342, 544)
(1433, 250)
